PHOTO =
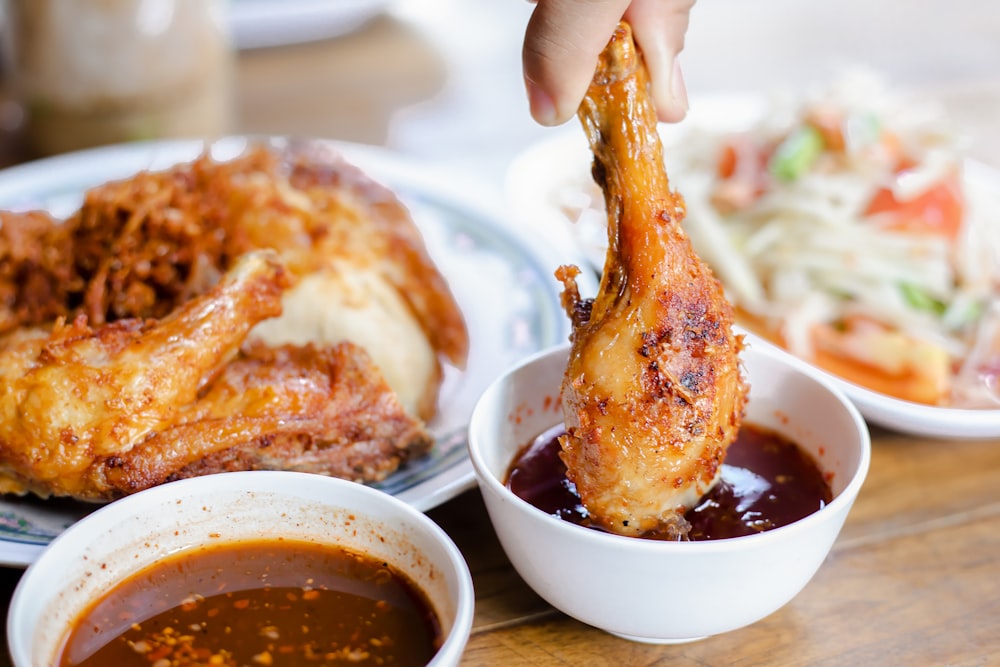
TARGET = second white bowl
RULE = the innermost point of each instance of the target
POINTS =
(655, 591)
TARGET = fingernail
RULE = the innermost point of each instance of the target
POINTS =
(543, 110)
(677, 88)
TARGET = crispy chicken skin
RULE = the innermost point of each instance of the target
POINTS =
(310, 409)
(653, 392)
(97, 413)
(36, 274)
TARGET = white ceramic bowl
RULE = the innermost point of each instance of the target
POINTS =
(655, 591)
(132, 533)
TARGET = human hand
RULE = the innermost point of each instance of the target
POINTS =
(564, 38)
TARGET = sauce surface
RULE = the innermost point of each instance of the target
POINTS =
(766, 481)
(262, 603)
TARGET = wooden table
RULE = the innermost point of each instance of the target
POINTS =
(914, 578)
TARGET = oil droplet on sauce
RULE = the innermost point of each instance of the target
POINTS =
(767, 481)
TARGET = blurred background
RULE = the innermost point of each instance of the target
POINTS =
(440, 80)
(946, 51)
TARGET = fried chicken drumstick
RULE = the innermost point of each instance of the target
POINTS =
(97, 413)
(653, 393)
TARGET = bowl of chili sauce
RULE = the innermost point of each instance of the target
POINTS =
(756, 538)
(260, 567)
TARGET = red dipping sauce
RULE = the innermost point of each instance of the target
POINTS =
(767, 481)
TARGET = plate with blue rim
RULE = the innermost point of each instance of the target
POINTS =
(500, 273)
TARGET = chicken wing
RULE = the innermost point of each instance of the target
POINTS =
(653, 392)
(96, 413)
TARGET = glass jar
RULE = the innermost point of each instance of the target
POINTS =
(94, 72)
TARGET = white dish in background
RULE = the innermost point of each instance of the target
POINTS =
(541, 176)
(262, 23)
(502, 279)
(904, 416)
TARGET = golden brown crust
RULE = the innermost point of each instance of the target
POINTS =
(99, 412)
(290, 408)
(71, 394)
(36, 278)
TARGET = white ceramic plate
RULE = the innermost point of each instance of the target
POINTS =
(261, 23)
(539, 179)
(502, 279)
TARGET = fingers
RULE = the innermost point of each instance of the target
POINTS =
(564, 38)
(659, 27)
(561, 45)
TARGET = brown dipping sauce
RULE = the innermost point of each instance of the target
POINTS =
(767, 481)
(262, 603)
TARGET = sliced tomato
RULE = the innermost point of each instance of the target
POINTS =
(938, 210)
(741, 170)
(829, 121)
(728, 159)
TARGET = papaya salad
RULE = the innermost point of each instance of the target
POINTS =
(846, 228)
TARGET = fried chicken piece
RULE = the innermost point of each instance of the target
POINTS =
(367, 263)
(653, 393)
(96, 413)
(360, 269)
